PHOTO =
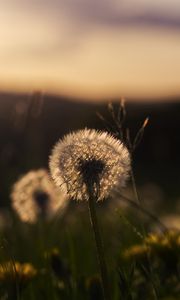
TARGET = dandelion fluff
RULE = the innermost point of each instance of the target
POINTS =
(89, 157)
(35, 195)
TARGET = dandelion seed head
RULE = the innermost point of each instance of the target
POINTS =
(35, 195)
(89, 157)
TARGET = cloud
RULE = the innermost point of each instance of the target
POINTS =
(44, 27)
(119, 12)
(103, 12)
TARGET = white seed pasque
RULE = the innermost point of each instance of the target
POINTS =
(35, 195)
(89, 157)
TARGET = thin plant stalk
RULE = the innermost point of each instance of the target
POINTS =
(135, 187)
(99, 245)
(144, 211)
(137, 197)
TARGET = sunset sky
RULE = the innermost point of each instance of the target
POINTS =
(91, 48)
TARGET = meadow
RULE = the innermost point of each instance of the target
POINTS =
(49, 252)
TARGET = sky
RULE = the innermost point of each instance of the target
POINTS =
(91, 48)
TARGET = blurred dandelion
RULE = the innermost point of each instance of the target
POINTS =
(88, 158)
(14, 277)
(156, 244)
(163, 248)
(16, 271)
(35, 195)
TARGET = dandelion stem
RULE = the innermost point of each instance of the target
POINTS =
(99, 245)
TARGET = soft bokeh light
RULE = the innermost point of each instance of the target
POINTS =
(92, 49)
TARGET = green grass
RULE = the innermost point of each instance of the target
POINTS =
(72, 273)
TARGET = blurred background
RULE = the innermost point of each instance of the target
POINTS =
(62, 61)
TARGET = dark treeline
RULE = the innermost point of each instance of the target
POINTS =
(29, 127)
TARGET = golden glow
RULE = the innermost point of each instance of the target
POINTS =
(104, 62)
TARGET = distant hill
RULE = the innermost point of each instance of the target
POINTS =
(29, 127)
